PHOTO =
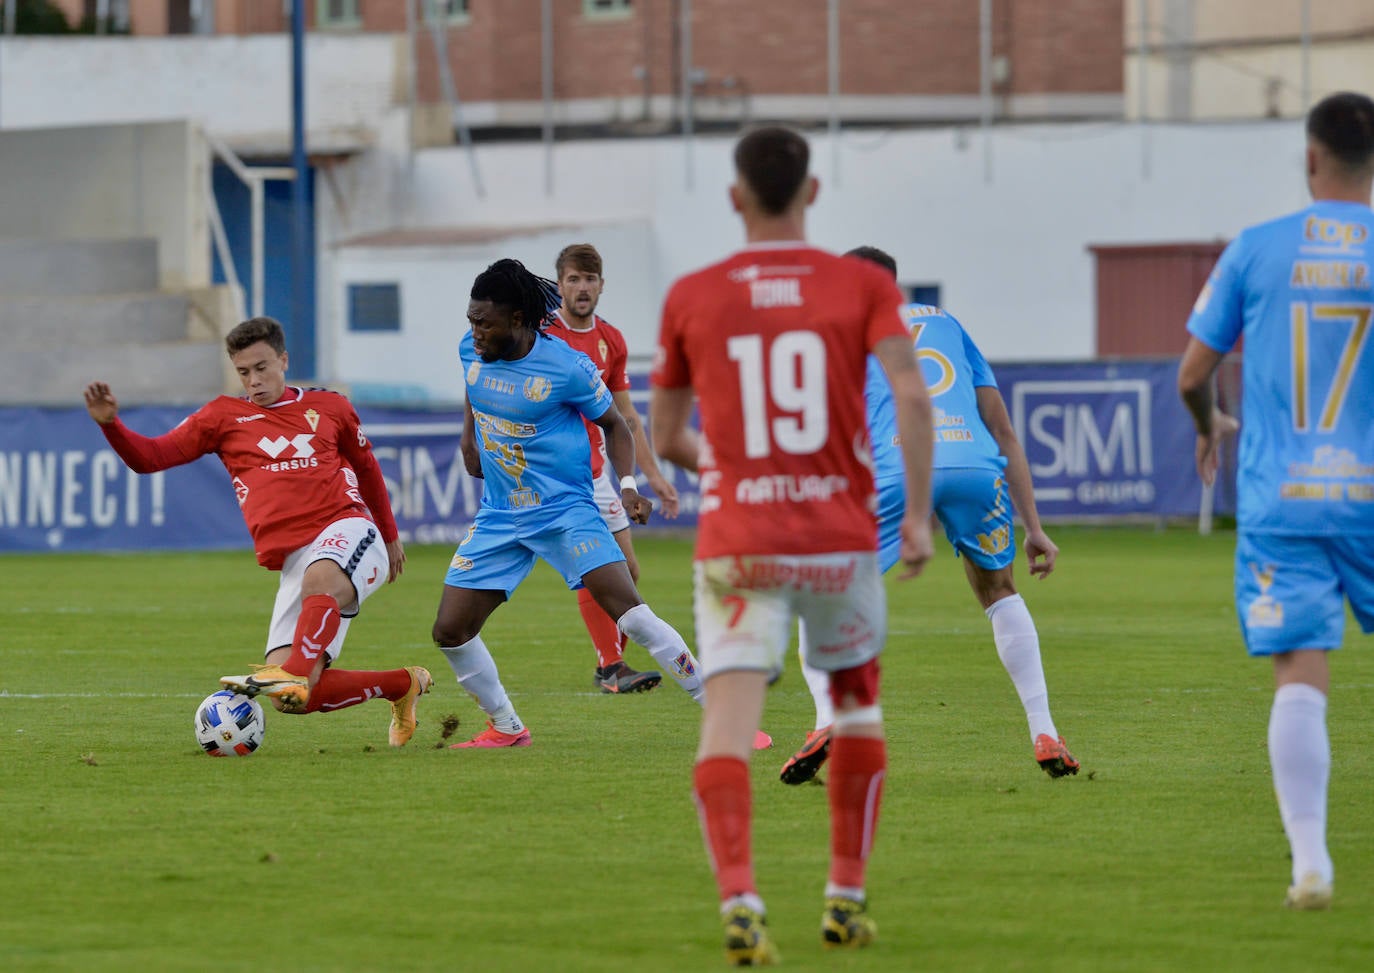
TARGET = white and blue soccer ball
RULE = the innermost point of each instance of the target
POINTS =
(229, 724)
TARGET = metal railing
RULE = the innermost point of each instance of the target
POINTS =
(253, 177)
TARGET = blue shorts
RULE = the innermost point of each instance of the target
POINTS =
(499, 551)
(1291, 591)
(973, 508)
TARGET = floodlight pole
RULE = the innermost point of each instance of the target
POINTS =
(1306, 56)
(833, 70)
(546, 59)
(300, 213)
(1143, 95)
(985, 83)
(688, 109)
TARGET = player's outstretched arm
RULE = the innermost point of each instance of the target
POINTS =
(142, 454)
(620, 449)
(644, 456)
(101, 403)
(1041, 552)
(669, 412)
(1195, 373)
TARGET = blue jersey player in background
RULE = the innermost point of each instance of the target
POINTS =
(981, 478)
(1298, 290)
(523, 435)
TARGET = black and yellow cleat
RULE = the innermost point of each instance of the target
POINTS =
(846, 924)
(746, 938)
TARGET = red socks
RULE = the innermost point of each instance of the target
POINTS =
(341, 688)
(315, 629)
(606, 635)
(857, 768)
(724, 804)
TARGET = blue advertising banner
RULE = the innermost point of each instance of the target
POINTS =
(1107, 439)
(63, 488)
(1103, 440)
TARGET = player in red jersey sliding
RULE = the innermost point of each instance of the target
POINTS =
(576, 322)
(773, 342)
(316, 505)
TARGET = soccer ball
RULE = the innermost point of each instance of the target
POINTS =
(229, 724)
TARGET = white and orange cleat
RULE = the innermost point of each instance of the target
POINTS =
(1311, 892)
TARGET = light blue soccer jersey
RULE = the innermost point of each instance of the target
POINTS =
(534, 448)
(1299, 290)
(954, 369)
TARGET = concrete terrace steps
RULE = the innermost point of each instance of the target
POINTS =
(77, 311)
(60, 322)
(157, 373)
(70, 268)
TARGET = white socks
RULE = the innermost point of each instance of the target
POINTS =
(1018, 646)
(1300, 755)
(665, 645)
(818, 681)
(476, 672)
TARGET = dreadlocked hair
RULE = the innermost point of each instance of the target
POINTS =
(509, 284)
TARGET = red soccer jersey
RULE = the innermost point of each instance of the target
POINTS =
(775, 342)
(605, 346)
(297, 465)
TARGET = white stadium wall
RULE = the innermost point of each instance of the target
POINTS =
(1007, 244)
(237, 87)
(421, 361)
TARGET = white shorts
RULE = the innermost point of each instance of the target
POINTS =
(745, 608)
(356, 546)
(608, 501)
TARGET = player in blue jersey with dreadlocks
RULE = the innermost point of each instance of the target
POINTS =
(523, 435)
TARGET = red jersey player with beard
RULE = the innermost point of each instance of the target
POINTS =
(314, 500)
(773, 343)
(578, 269)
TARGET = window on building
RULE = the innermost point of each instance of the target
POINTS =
(452, 11)
(607, 8)
(924, 294)
(338, 13)
(374, 307)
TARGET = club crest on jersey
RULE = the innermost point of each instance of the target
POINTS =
(537, 388)
(240, 491)
(312, 417)
(473, 370)
(602, 348)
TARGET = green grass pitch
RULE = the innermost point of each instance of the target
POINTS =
(122, 847)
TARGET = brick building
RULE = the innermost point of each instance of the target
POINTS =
(618, 64)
